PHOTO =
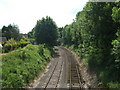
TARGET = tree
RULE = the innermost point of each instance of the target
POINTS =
(91, 35)
(11, 31)
(31, 33)
(46, 31)
(60, 32)
(116, 43)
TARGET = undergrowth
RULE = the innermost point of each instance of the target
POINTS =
(20, 67)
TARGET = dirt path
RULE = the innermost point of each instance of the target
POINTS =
(2, 53)
(63, 71)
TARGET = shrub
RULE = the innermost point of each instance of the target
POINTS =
(13, 45)
(22, 66)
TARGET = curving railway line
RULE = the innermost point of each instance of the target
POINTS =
(74, 79)
(63, 72)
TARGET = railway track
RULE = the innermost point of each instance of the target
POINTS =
(75, 80)
(53, 81)
(64, 72)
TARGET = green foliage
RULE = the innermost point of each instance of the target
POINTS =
(11, 31)
(11, 44)
(31, 33)
(46, 31)
(32, 40)
(91, 35)
(114, 85)
(116, 12)
(22, 66)
(0, 49)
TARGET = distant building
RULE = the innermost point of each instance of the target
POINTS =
(3, 39)
(25, 35)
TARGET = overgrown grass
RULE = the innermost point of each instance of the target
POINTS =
(20, 67)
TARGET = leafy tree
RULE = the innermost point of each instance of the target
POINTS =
(60, 38)
(46, 31)
(60, 32)
(11, 31)
(116, 43)
(31, 33)
(91, 35)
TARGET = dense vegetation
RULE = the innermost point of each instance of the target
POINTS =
(24, 61)
(14, 38)
(12, 44)
(11, 31)
(95, 36)
(21, 66)
(45, 31)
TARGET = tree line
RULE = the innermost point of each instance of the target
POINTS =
(11, 31)
(95, 36)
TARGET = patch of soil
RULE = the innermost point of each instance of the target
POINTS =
(2, 53)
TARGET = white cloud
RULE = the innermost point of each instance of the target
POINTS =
(25, 13)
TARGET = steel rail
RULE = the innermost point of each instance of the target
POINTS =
(72, 70)
(70, 76)
(59, 74)
(51, 75)
(79, 76)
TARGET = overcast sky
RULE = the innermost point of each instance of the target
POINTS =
(25, 13)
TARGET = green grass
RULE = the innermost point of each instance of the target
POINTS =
(20, 67)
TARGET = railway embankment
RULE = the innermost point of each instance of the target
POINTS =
(66, 70)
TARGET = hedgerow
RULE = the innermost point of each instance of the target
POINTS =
(20, 67)
(11, 44)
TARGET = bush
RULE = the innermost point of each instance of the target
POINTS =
(113, 85)
(22, 66)
(13, 45)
